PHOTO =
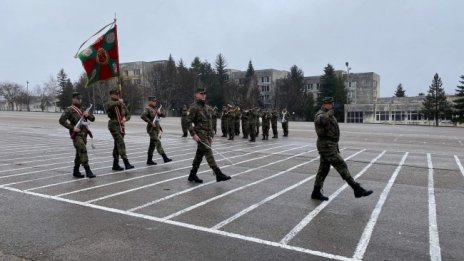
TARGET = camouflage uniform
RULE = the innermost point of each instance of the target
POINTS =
(328, 135)
(214, 117)
(257, 122)
(266, 117)
(237, 115)
(183, 120)
(154, 132)
(231, 123)
(285, 122)
(69, 119)
(245, 126)
(224, 122)
(117, 129)
(274, 117)
(199, 123)
(252, 116)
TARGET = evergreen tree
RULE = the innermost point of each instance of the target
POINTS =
(400, 92)
(219, 91)
(333, 86)
(459, 102)
(290, 91)
(65, 90)
(250, 71)
(435, 105)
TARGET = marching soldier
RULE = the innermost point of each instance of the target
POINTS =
(237, 115)
(258, 111)
(70, 119)
(151, 116)
(266, 117)
(230, 121)
(285, 121)
(202, 133)
(214, 116)
(274, 117)
(252, 115)
(224, 121)
(119, 115)
(245, 126)
(183, 120)
(328, 135)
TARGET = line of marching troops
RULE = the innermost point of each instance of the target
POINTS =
(232, 117)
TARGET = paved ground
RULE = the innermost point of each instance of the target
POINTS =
(263, 213)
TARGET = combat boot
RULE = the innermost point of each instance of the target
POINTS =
(357, 189)
(77, 173)
(219, 175)
(264, 137)
(116, 164)
(165, 158)
(193, 175)
(150, 159)
(127, 165)
(88, 172)
(317, 194)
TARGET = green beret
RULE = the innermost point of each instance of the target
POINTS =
(328, 100)
(76, 95)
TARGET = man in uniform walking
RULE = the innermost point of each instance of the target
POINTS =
(183, 120)
(70, 119)
(202, 133)
(285, 121)
(224, 121)
(274, 117)
(214, 117)
(245, 126)
(328, 135)
(151, 116)
(266, 118)
(230, 121)
(252, 115)
(119, 115)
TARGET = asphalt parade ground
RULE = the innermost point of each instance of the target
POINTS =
(263, 213)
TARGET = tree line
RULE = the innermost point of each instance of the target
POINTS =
(173, 83)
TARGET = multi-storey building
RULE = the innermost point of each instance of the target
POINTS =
(138, 72)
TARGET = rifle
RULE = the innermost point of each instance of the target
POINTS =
(83, 123)
(157, 120)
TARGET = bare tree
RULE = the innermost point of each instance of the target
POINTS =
(11, 92)
(47, 93)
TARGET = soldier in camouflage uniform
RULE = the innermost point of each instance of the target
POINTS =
(266, 117)
(231, 121)
(199, 124)
(274, 117)
(252, 115)
(119, 115)
(214, 117)
(183, 120)
(154, 130)
(328, 135)
(224, 121)
(258, 111)
(237, 115)
(285, 121)
(245, 126)
(69, 119)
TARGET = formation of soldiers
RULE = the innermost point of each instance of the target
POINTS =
(250, 120)
(200, 121)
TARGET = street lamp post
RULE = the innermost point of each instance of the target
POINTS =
(27, 95)
(348, 69)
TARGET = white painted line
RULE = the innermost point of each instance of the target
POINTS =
(459, 164)
(178, 213)
(179, 177)
(208, 183)
(366, 236)
(81, 180)
(189, 226)
(149, 175)
(306, 220)
(435, 251)
(460, 142)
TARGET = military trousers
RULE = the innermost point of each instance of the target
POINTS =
(285, 128)
(155, 142)
(252, 128)
(214, 122)
(224, 127)
(245, 129)
(184, 126)
(274, 129)
(80, 142)
(328, 159)
(203, 150)
(266, 130)
(119, 148)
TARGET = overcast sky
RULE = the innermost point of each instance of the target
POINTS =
(403, 41)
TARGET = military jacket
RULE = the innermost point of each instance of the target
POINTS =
(328, 132)
(148, 116)
(199, 120)
(71, 117)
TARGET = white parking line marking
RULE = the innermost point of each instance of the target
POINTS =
(435, 251)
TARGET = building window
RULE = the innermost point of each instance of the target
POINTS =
(382, 116)
(317, 86)
(137, 81)
(265, 79)
(354, 117)
(126, 73)
(398, 115)
(137, 72)
(265, 88)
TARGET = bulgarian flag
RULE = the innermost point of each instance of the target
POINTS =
(101, 59)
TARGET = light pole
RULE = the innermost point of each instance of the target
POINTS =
(348, 69)
(27, 95)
